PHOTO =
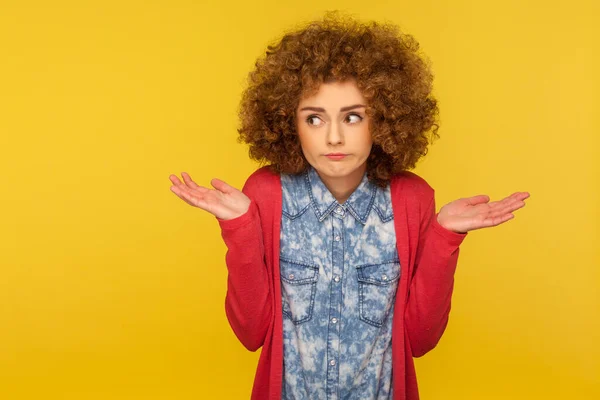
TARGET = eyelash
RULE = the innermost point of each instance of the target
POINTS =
(308, 119)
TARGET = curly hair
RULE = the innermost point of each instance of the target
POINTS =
(393, 78)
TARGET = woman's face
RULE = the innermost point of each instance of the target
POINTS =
(334, 121)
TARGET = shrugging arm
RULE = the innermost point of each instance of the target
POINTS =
(248, 303)
(431, 287)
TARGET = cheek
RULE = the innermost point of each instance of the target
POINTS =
(305, 145)
(366, 141)
(305, 140)
(302, 140)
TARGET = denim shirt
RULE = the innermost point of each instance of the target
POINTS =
(339, 273)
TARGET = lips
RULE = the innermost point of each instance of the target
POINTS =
(336, 156)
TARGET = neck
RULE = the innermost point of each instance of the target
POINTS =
(342, 187)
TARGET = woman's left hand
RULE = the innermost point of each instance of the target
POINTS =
(472, 213)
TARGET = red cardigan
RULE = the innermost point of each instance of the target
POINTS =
(428, 254)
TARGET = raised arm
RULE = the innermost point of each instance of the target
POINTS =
(430, 292)
(247, 302)
(440, 235)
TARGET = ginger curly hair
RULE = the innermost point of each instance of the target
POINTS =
(393, 78)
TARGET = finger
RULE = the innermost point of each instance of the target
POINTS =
(500, 209)
(501, 212)
(506, 202)
(510, 206)
(494, 221)
(518, 196)
(175, 180)
(187, 187)
(495, 204)
(478, 199)
(222, 186)
(515, 206)
(180, 193)
(191, 185)
(504, 218)
(203, 202)
(188, 181)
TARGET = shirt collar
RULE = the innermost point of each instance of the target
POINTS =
(359, 203)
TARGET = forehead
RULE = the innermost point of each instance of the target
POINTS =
(333, 94)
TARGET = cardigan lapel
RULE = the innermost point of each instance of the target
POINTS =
(403, 242)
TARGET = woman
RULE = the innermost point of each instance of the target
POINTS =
(339, 266)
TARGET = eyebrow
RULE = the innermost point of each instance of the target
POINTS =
(319, 109)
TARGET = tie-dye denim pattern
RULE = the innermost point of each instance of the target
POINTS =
(339, 273)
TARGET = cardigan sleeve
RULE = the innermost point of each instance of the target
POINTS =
(430, 291)
(248, 304)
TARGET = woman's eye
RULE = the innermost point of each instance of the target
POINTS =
(311, 118)
(316, 121)
(357, 118)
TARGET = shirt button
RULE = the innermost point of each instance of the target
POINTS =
(339, 210)
(291, 276)
(384, 277)
(336, 278)
(332, 362)
(337, 238)
(334, 320)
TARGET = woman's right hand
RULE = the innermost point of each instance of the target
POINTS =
(226, 202)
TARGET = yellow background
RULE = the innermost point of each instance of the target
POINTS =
(113, 288)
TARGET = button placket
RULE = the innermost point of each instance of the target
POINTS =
(335, 303)
(339, 212)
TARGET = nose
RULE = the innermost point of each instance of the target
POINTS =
(334, 134)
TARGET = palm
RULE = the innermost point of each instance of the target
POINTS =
(224, 202)
(467, 214)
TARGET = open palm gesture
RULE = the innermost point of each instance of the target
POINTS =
(224, 202)
(467, 214)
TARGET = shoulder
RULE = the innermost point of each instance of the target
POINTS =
(410, 185)
(262, 181)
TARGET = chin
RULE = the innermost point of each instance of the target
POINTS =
(337, 169)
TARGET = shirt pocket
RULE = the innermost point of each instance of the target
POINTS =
(377, 284)
(298, 289)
